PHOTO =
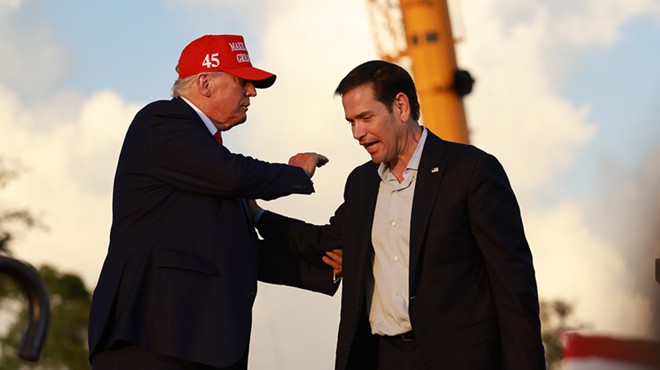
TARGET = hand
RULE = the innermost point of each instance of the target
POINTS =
(333, 259)
(308, 162)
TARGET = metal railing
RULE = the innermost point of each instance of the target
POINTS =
(34, 288)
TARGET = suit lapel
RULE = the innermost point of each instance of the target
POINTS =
(366, 216)
(431, 170)
(362, 217)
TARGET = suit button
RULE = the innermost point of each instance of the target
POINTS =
(357, 308)
(253, 293)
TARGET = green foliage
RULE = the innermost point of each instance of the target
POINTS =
(10, 219)
(556, 318)
(13, 217)
(66, 343)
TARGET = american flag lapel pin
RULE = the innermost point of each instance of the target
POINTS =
(435, 169)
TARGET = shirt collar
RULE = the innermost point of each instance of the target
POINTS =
(207, 121)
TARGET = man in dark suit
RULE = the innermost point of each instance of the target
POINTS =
(180, 277)
(437, 271)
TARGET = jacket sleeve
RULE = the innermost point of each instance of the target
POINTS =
(278, 265)
(497, 226)
(305, 240)
(179, 151)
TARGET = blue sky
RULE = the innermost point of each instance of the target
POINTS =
(566, 98)
(622, 85)
(119, 44)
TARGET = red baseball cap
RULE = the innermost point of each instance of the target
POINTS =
(226, 53)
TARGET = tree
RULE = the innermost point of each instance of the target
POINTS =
(66, 342)
(556, 318)
(10, 218)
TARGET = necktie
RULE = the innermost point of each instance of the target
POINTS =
(218, 137)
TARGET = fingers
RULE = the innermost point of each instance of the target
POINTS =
(300, 158)
(336, 268)
(330, 262)
(321, 160)
(308, 162)
(333, 259)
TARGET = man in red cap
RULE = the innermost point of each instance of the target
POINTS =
(180, 277)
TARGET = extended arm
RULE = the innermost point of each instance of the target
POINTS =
(278, 265)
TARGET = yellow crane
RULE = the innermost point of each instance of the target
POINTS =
(417, 34)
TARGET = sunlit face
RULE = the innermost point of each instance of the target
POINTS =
(230, 100)
(378, 130)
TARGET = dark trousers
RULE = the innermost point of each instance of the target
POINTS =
(399, 352)
(134, 358)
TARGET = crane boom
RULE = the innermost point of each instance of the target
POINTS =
(429, 47)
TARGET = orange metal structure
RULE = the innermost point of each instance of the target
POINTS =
(426, 41)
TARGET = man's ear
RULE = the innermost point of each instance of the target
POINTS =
(203, 83)
(402, 106)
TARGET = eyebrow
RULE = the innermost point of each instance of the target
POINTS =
(361, 115)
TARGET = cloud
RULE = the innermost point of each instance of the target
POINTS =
(626, 212)
(34, 60)
(596, 23)
(310, 46)
(67, 175)
(225, 16)
(10, 5)
(586, 250)
(66, 143)
(586, 268)
(516, 111)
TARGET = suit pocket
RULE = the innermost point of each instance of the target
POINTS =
(167, 258)
(482, 331)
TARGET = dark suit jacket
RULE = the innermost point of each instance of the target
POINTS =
(181, 272)
(473, 296)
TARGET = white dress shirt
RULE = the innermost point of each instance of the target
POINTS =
(207, 121)
(390, 236)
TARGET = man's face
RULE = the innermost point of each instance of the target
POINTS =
(378, 130)
(231, 98)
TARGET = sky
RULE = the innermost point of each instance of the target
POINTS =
(565, 97)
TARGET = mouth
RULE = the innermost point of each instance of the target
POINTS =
(370, 147)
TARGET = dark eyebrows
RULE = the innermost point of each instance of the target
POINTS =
(364, 114)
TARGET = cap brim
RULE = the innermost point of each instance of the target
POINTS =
(261, 79)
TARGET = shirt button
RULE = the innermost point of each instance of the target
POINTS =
(393, 223)
(396, 258)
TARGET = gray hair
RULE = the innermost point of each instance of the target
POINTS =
(182, 85)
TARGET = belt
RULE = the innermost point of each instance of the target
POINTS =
(405, 337)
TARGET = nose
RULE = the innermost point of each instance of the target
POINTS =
(250, 90)
(358, 130)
